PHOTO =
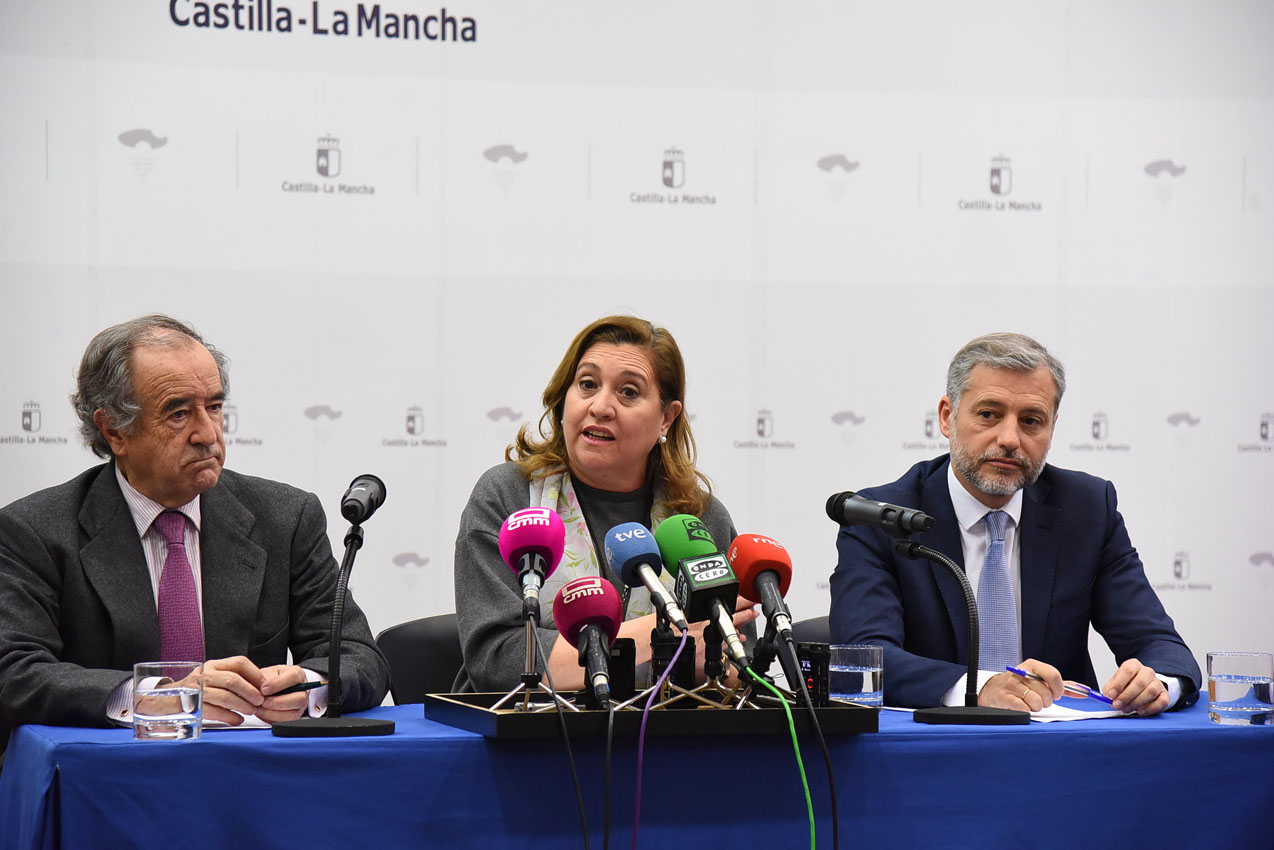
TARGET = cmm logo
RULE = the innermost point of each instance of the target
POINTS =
(528, 516)
(582, 588)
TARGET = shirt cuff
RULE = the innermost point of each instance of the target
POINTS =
(317, 697)
(119, 705)
(1173, 684)
(955, 695)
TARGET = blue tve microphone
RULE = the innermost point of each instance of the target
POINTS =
(633, 554)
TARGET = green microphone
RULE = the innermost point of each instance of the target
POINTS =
(706, 588)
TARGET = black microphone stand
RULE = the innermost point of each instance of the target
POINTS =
(332, 725)
(663, 646)
(969, 714)
(714, 691)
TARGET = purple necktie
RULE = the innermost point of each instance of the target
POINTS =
(180, 632)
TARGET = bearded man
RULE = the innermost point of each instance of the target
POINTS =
(1045, 549)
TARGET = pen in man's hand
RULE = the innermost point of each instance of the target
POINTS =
(296, 689)
(1071, 689)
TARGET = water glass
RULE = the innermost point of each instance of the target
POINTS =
(167, 700)
(856, 673)
(1239, 688)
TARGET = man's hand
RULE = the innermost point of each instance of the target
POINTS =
(289, 706)
(233, 687)
(1135, 687)
(1009, 690)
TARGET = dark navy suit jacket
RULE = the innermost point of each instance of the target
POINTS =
(1078, 567)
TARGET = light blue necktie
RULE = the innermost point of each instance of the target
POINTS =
(997, 611)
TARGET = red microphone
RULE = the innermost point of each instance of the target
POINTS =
(588, 613)
(764, 570)
(531, 543)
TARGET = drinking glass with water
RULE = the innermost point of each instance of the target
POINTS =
(1241, 688)
(167, 700)
(856, 674)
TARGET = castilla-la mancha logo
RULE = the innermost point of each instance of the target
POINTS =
(674, 168)
(327, 157)
(31, 417)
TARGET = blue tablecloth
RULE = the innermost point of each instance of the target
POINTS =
(1169, 781)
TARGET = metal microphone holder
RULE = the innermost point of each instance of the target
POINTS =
(531, 678)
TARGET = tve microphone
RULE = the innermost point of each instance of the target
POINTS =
(849, 508)
(706, 587)
(633, 554)
(764, 570)
(588, 613)
(366, 493)
(531, 543)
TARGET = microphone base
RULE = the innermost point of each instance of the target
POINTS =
(976, 715)
(332, 727)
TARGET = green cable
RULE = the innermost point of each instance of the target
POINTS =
(800, 765)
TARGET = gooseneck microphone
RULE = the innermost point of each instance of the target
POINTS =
(588, 613)
(849, 508)
(366, 493)
(764, 570)
(531, 543)
(706, 587)
(634, 556)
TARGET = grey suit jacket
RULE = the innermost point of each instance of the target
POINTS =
(77, 608)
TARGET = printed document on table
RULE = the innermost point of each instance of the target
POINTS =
(1071, 708)
(250, 721)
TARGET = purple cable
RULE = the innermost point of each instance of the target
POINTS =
(641, 736)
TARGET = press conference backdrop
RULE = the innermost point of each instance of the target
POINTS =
(393, 216)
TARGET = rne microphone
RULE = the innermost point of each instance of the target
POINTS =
(849, 508)
(531, 543)
(588, 612)
(764, 570)
(366, 493)
(634, 556)
(706, 587)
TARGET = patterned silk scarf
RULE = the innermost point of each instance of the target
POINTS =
(579, 559)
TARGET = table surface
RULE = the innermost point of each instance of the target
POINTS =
(908, 785)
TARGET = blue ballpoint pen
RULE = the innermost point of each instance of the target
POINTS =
(1074, 689)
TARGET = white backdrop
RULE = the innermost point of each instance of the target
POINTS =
(394, 239)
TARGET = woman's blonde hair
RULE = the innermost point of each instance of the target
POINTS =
(672, 463)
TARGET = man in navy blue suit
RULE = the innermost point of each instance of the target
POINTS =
(1069, 560)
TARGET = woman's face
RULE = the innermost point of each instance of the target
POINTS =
(613, 416)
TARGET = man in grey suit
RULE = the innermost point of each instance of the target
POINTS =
(84, 565)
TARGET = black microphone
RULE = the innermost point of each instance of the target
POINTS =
(366, 493)
(849, 508)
